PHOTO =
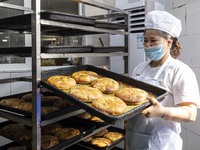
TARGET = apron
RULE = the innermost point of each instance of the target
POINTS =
(143, 133)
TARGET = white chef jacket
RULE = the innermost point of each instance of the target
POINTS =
(156, 133)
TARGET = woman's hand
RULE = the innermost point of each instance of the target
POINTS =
(155, 110)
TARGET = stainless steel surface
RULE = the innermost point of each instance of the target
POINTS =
(45, 56)
(81, 27)
(12, 6)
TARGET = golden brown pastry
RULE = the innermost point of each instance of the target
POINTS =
(111, 105)
(88, 139)
(51, 128)
(12, 129)
(17, 148)
(85, 93)
(84, 76)
(28, 97)
(49, 100)
(62, 104)
(48, 109)
(106, 85)
(48, 141)
(24, 135)
(96, 119)
(62, 82)
(11, 101)
(132, 95)
(67, 133)
(84, 115)
(101, 133)
(101, 142)
(27, 106)
(113, 136)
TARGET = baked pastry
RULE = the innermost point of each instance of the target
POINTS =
(27, 106)
(101, 142)
(49, 100)
(67, 133)
(48, 141)
(24, 135)
(84, 76)
(113, 136)
(62, 104)
(96, 119)
(28, 97)
(11, 129)
(84, 115)
(132, 95)
(62, 82)
(51, 128)
(106, 85)
(85, 93)
(11, 101)
(48, 109)
(17, 148)
(101, 133)
(88, 139)
(111, 105)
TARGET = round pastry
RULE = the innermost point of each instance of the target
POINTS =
(85, 93)
(11, 101)
(96, 119)
(111, 105)
(49, 100)
(101, 133)
(132, 95)
(62, 104)
(28, 97)
(67, 133)
(88, 139)
(17, 148)
(48, 109)
(62, 82)
(106, 85)
(51, 128)
(25, 135)
(27, 106)
(113, 136)
(84, 115)
(12, 129)
(48, 141)
(101, 142)
(84, 76)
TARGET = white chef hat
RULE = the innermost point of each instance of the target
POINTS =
(162, 20)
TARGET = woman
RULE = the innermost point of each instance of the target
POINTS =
(158, 126)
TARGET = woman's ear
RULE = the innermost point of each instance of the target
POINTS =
(169, 43)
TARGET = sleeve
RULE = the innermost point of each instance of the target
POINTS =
(185, 86)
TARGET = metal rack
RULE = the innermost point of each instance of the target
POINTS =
(36, 123)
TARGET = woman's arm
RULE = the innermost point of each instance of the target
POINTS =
(185, 112)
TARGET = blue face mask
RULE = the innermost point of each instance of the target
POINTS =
(154, 52)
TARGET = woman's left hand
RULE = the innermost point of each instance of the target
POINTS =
(155, 110)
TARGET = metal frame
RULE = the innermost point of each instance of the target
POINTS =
(36, 22)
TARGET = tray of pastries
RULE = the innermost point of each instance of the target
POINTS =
(52, 105)
(105, 94)
(54, 136)
(105, 139)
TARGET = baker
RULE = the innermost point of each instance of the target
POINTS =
(158, 126)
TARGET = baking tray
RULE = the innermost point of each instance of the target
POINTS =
(23, 23)
(109, 49)
(48, 116)
(158, 92)
(84, 127)
(9, 145)
(112, 145)
(110, 25)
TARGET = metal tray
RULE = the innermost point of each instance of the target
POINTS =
(12, 144)
(113, 144)
(84, 127)
(110, 25)
(109, 49)
(158, 92)
(43, 116)
(23, 23)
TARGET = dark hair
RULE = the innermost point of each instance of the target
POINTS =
(176, 46)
